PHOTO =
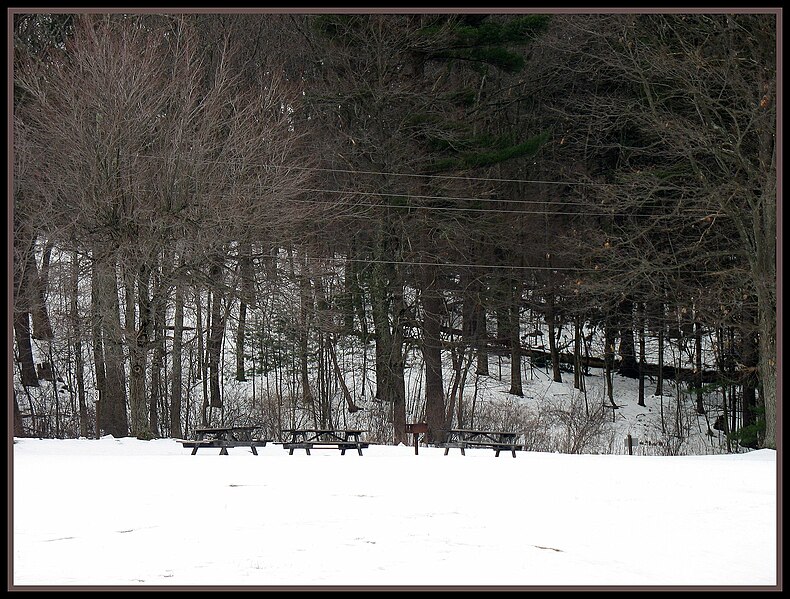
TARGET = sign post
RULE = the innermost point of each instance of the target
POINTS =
(415, 428)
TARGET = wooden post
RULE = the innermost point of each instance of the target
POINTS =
(98, 431)
(415, 429)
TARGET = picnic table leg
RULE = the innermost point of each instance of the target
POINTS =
(514, 451)
(342, 451)
(194, 450)
(254, 451)
(223, 451)
(307, 449)
(446, 450)
(497, 453)
(463, 452)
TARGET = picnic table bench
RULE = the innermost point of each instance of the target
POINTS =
(496, 440)
(318, 438)
(223, 437)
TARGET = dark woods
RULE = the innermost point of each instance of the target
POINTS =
(201, 200)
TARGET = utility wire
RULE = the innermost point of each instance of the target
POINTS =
(393, 174)
(456, 209)
(471, 265)
(225, 196)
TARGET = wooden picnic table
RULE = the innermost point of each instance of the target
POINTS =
(224, 437)
(323, 438)
(462, 438)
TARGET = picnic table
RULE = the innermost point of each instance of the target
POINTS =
(323, 438)
(462, 438)
(224, 437)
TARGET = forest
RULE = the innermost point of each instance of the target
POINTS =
(200, 199)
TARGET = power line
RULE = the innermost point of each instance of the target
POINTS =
(490, 210)
(442, 208)
(493, 210)
(470, 265)
(394, 174)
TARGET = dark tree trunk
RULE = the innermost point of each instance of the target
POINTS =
(749, 359)
(176, 430)
(609, 341)
(240, 338)
(25, 349)
(698, 366)
(474, 323)
(382, 335)
(202, 366)
(641, 399)
(158, 384)
(432, 352)
(482, 340)
(660, 376)
(139, 338)
(628, 363)
(214, 344)
(34, 289)
(514, 311)
(19, 429)
(305, 311)
(396, 365)
(76, 328)
(247, 271)
(551, 322)
(113, 418)
(98, 341)
(24, 304)
(503, 332)
(578, 376)
(386, 297)
(347, 298)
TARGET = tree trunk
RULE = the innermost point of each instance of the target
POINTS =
(550, 320)
(514, 334)
(247, 297)
(26, 362)
(202, 366)
(19, 429)
(482, 339)
(346, 299)
(35, 291)
(749, 359)
(660, 377)
(698, 366)
(474, 325)
(214, 343)
(113, 418)
(628, 364)
(305, 310)
(158, 314)
(641, 400)
(176, 430)
(26, 305)
(609, 341)
(768, 373)
(396, 363)
(138, 351)
(79, 365)
(240, 338)
(386, 282)
(98, 340)
(432, 353)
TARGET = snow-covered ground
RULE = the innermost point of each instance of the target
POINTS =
(125, 512)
